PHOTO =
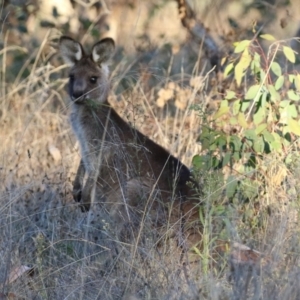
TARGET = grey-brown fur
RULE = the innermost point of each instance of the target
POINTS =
(123, 166)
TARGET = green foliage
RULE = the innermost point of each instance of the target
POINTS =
(258, 117)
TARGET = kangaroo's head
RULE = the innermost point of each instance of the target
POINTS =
(88, 77)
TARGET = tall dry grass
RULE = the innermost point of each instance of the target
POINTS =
(70, 254)
(50, 250)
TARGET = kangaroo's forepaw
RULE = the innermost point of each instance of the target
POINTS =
(85, 207)
(85, 201)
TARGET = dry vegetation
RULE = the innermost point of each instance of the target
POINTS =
(51, 250)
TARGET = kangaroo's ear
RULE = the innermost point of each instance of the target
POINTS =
(103, 50)
(70, 50)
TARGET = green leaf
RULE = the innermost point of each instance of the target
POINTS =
(264, 99)
(275, 96)
(294, 126)
(241, 66)
(207, 138)
(262, 76)
(228, 70)
(241, 46)
(236, 107)
(236, 156)
(289, 53)
(287, 111)
(212, 146)
(291, 78)
(259, 145)
(245, 59)
(292, 95)
(259, 116)
(242, 120)
(235, 145)
(224, 103)
(297, 82)
(267, 37)
(226, 159)
(230, 95)
(252, 92)
(245, 104)
(284, 103)
(250, 134)
(292, 110)
(222, 111)
(221, 141)
(279, 82)
(276, 145)
(268, 136)
(214, 162)
(260, 128)
(254, 68)
(196, 161)
(255, 64)
(238, 74)
(275, 67)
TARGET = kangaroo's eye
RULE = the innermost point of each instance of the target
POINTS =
(71, 77)
(93, 79)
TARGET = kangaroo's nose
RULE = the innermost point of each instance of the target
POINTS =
(76, 95)
(77, 89)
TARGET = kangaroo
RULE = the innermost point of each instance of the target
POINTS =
(118, 161)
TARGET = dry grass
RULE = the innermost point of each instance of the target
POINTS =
(72, 254)
(80, 256)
